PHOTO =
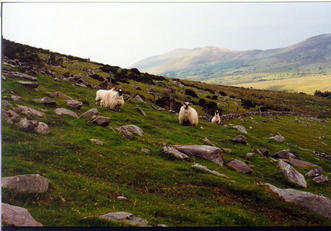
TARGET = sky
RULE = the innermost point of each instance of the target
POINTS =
(124, 33)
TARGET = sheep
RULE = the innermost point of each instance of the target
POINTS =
(113, 99)
(188, 115)
(216, 119)
(100, 95)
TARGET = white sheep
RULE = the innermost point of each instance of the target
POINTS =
(113, 99)
(216, 119)
(100, 95)
(188, 115)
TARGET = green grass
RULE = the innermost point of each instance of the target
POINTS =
(159, 188)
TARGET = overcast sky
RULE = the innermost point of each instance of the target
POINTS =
(122, 34)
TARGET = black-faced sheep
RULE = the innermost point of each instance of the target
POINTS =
(188, 115)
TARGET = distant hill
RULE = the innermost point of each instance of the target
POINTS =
(217, 65)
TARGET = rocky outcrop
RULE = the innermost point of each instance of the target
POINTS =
(239, 166)
(207, 152)
(292, 175)
(32, 183)
(17, 216)
(315, 203)
(125, 217)
(27, 111)
(20, 75)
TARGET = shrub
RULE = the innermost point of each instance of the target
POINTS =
(191, 93)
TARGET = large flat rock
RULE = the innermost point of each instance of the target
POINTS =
(125, 217)
(17, 216)
(315, 203)
(31, 183)
(207, 152)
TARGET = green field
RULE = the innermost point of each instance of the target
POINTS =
(302, 84)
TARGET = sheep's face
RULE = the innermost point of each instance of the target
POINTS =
(187, 104)
(120, 92)
(217, 112)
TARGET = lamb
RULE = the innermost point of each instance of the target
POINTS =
(216, 119)
(188, 115)
(113, 99)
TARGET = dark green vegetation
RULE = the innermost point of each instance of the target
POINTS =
(216, 65)
(85, 178)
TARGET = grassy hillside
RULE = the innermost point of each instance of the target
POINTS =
(223, 66)
(304, 84)
(85, 179)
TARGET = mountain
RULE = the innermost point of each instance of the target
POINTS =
(212, 64)
(88, 179)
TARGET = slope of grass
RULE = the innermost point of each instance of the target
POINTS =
(85, 178)
(303, 84)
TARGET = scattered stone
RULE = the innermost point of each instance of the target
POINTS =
(16, 98)
(292, 175)
(58, 94)
(207, 152)
(74, 104)
(141, 111)
(138, 97)
(240, 128)
(122, 198)
(301, 163)
(315, 203)
(29, 112)
(286, 154)
(239, 166)
(125, 217)
(101, 120)
(207, 170)
(21, 75)
(42, 128)
(5, 103)
(161, 225)
(316, 171)
(321, 179)
(31, 183)
(175, 153)
(98, 142)
(64, 111)
(249, 155)
(277, 138)
(146, 150)
(130, 131)
(46, 100)
(91, 112)
(27, 125)
(240, 139)
(17, 216)
(208, 142)
(28, 84)
(263, 151)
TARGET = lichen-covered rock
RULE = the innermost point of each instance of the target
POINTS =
(301, 163)
(315, 203)
(27, 125)
(314, 172)
(240, 139)
(101, 120)
(175, 153)
(89, 113)
(321, 179)
(292, 175)
(42, 128)
(239, 166)
(286, 154)
(125, 217)
(27, 111)
(74, 104)
(64, 111)
(31, 183)
(207, 152)
(130, 131)
(17, 216)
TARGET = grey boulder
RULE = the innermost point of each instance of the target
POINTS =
(202, 168)
(277, 138)
(27, 111)
(315, 203)
(125, 217)
(130, 131)
(46, 100)
(89, 113)
(239, 166)
(42, 128)
(17, 216)
(240, 139)
(175, 153)
(64, 111)
(285, 154)
(314, 172)
(292, 175)
(27, 125)
(207, 152)
(301, 163)
(320, 179)
(31, 183)
(240, 128)
(28, 84)
(74, 104)
(101, 120)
